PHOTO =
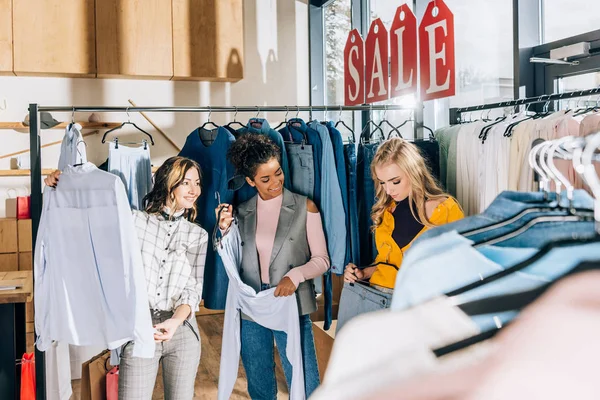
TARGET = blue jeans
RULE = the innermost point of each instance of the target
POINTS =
(359, 299)
(352, 218)
(340, 165)
(366, 200)
(296, 130)
(302, 169)
(258, 357)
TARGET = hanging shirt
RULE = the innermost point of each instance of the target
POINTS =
(174, 253)
(267, 218)
(275, 313)
(72, 148)
(332, 204)
(89, 278)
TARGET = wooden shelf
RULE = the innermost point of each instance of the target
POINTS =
(26, 172)
(22, 172)
(63, 125)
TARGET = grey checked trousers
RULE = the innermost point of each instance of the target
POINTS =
(179, 356)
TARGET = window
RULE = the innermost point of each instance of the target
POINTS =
(484, 56)
(576, 83)
(565, 18)
(337, 16)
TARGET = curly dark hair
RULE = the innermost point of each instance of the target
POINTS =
(251, 150)
(166, 179)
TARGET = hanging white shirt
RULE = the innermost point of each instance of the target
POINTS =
(89, 278)
(72, 148)
(276, 313)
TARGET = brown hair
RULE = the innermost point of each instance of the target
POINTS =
(166, 179)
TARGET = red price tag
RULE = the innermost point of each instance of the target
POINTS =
(377, 63)
(354, 71)
(436, 46)
(403, 48)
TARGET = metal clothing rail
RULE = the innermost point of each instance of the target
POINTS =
(36, 164)
(455, 113)
(209, 109)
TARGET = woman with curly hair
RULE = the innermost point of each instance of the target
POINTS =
(409, 201)
(283, 246)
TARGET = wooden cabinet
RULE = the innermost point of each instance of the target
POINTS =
(208, 40)
(134, 38)
(6, 51)
(148, 39)
(54, 37)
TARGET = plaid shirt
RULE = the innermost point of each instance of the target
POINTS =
(174, 253)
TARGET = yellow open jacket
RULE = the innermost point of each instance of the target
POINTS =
(389, 252)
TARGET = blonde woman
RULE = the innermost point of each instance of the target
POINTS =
(409, 201)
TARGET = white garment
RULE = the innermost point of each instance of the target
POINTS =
(72, 148)
(468, 148)
(401, 349)
(89, 278)
(58, 372)
(276, 313)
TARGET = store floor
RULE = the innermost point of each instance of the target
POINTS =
(211, 331)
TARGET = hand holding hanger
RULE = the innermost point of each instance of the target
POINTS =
(352, 274)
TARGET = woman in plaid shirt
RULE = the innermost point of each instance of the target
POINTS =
(173, 251)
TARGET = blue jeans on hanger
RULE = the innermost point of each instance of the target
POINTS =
(302, 169)
(366, 200)
(338, 151)
(505, 206)
(258, 357)
(354, 240)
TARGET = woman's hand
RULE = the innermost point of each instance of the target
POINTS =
(52, 179)
(226, 216)
(167, 329)
(353, 274)
(285, 288)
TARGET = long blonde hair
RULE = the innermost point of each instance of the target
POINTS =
(423, 185)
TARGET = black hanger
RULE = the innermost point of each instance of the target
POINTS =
(284, 122)
(351, 138)
(208, 122)
(79, 153)
(365, 135)
(144, 142)
(376, 264)
(511, 126)
(235, 121)
(127, 123)
(503, 303)
(486, 129)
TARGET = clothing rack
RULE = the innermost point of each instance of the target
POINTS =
(456, 113)
(36, 165)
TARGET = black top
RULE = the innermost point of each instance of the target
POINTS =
(406, 227)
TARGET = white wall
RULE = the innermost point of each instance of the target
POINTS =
(276, 73)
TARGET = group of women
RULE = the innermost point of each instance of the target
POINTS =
(409, 201)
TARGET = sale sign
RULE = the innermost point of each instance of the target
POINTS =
(354, 70)
(377, 65)
(436, 48)
(403, 49)
(386, 66)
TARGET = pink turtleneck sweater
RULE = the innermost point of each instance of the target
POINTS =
(267, 216)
